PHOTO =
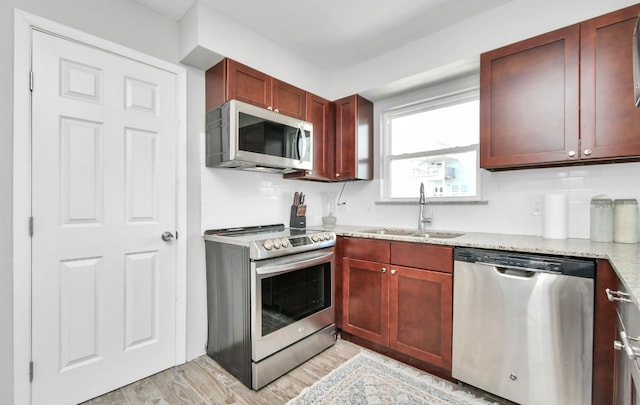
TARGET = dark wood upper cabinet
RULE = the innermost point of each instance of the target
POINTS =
(561, 97)
(321, 113)
(342, 130)
(354, 139)
(529, 101)
(230, 80)
(610, 123)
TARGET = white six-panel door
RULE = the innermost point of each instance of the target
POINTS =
(104, 191)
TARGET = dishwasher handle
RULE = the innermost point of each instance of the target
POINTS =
(510, 270)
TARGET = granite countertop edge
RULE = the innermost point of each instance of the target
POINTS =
(624, 257)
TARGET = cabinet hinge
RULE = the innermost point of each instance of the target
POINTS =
(30, 371)
(176, 234)
(31, 80)
(31, 226)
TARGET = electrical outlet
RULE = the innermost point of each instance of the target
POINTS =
(535, 204)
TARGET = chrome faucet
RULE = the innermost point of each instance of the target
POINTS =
(421, 218)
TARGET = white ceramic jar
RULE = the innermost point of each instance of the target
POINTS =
(625, 220)
(601, 219)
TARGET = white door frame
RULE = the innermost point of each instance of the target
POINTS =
(24, 23)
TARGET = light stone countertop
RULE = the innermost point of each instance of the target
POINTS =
(624, 258)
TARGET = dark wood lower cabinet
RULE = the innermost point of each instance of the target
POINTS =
(604, 333)
(401, 311)
(366, 300)
(420, 314)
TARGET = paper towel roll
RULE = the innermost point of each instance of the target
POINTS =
(554, 216)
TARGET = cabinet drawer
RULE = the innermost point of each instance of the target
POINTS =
(423, 256)
(366, 249)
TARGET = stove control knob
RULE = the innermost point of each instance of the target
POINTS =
(314, 237)
(267, 244)
(277, 244)
(328, 236)
(285, 242)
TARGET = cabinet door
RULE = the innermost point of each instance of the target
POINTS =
(529, 111)
(288, 100)
(345, 138)
(610, 121)
(421, 314)
(365, 290)
(319, 114)
(604, 333)
(248, 85)
(354, 139)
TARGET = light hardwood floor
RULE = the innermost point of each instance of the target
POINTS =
(202, 381)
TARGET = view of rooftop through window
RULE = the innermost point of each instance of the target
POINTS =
(436, 145)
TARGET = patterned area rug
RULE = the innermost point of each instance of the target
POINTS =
(369, 378)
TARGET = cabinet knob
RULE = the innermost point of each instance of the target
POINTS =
(571, 153)
(270, 108)
(276, 111)
(393, 271)
(587, 152)
(337, 174)
(384, 269)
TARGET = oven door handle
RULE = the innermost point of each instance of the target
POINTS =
(294, 262)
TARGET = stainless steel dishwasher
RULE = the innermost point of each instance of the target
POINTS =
(523, 325)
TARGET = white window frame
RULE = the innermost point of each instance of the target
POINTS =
(432, 103)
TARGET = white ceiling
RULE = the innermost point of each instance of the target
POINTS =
(337, 34)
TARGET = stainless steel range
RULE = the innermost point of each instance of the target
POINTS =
(270, 294)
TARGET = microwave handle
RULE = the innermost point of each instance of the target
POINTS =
(300, 133)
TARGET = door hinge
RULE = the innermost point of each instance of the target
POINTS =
(31, 80)
(31, 226)
(30, 371)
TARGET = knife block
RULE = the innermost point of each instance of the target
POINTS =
(298, 218)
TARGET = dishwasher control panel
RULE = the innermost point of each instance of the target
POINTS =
(579, 267)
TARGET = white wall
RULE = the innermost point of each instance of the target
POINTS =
(508, 195)
(455, 47)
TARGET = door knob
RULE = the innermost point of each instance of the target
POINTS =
(167, 236)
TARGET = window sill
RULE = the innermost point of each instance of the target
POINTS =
(436, 202)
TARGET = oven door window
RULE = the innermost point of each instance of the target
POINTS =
(289, 297)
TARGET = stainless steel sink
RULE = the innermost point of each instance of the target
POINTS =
(412, 232)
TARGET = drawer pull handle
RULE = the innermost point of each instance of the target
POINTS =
(617, 296)
(632, 352)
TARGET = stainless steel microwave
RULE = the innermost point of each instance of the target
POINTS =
(243, 136)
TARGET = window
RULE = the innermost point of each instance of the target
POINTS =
(434, 143)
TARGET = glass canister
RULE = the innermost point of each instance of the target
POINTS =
(601, 219)
(625, 220)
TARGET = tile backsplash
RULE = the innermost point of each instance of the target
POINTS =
(234, 198)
